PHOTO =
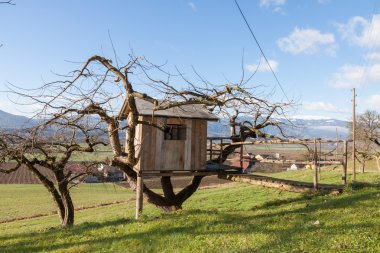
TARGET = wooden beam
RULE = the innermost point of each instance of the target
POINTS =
(344, 170)
(210, 149)
(315, 165)
(297, 162)
(290, 141)
(190, 173)
(139, 196)
(219, 138)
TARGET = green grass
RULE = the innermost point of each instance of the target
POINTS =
(329, 174)
(33, 199)
(232, 218)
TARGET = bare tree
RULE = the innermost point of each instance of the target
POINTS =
(9, 2)
(99, 86)
(368, 137)
(45, 150)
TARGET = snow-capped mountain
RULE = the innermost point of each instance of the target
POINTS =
(296, 127)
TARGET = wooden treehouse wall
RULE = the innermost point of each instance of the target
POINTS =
(157, 154)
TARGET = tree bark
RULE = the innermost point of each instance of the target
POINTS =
(363, 165)
(68, 219)
(62, 181)
(170, 201)
(49, 185)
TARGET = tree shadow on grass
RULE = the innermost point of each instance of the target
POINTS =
(188, 224)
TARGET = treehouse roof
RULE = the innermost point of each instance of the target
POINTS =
(145, 108)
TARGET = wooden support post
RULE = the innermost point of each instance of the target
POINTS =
(210, 150)
(315, 165)
(344, 171)
(337, 146)
(220, 154)
(241, 157)
(139, 196)
(319, 160)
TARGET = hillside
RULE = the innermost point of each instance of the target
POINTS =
(301, 128)
(11, 121)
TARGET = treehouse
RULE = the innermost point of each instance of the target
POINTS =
(176, 140)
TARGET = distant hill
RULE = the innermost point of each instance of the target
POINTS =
(300, 128)
(11, 121)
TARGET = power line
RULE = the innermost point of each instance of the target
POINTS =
(371, 38)
(261, 50)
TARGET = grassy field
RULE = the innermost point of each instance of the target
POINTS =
(231, 218)
(329, 174)
(30, 200)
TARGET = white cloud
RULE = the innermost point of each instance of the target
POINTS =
(374, 102)
(308, 41)
(262, 66)
(275, 5)
(374, 56)
(350, 76)
(271, 3)
(192, 6)
(361, 32)
(323, 106)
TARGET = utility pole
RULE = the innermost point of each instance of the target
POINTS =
(353, 134)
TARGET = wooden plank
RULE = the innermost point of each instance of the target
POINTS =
(344, 169)
(152, 146)
(285, 142)
(159, 145)
(188, 151)
(203, 144)
(296, 162)
(188, 173)
(181, 157)
(171, 158)
(138, 144)
(144, 147)
(218, 138)
(193, 144)
(175, 121)
(315, 166)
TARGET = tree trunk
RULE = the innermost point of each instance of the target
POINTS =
(170, 201)
(68, 219)
(363, 165)
(378, 162)
(49, 185)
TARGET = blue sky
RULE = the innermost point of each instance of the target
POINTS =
(319, 49)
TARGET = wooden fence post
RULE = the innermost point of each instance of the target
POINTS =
(241, 157)
(210, 149)
(315, 165)
(139, 196)
(319, 159)
(344, 171)
(220, 155)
